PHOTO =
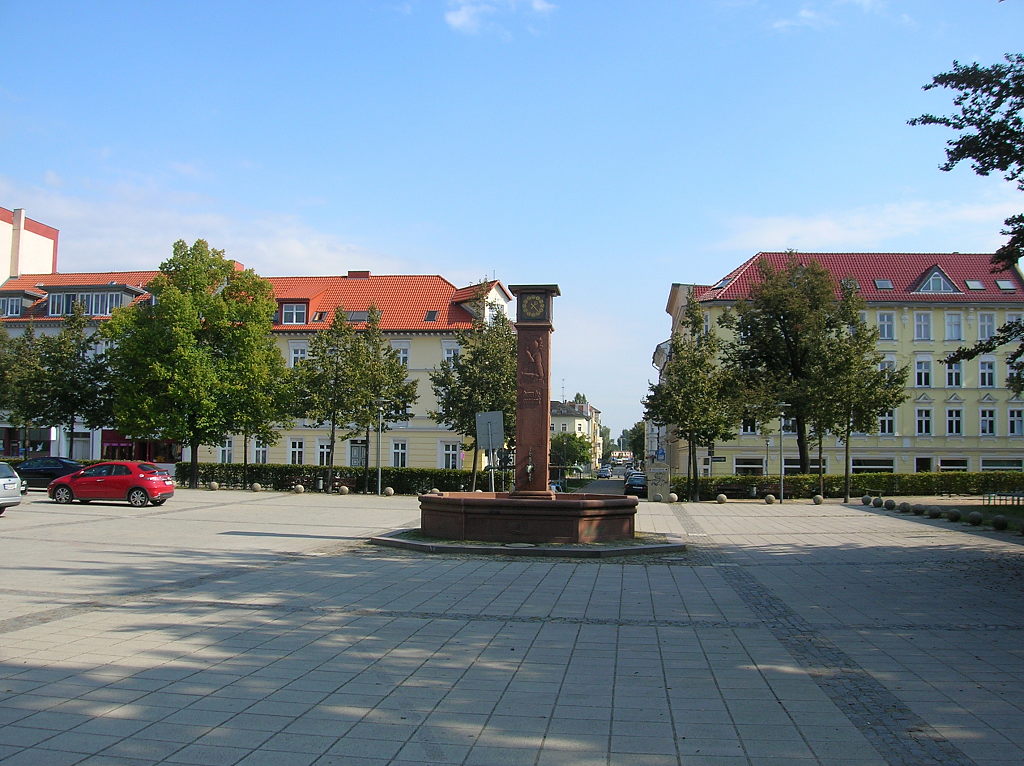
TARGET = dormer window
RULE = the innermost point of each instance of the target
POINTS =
(10, 307)
(936, 282)
(93, 304)
(293, 313)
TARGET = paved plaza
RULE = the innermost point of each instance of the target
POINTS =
(240, 628)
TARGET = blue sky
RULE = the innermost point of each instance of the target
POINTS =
(610, 147)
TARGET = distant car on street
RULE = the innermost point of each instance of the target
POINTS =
(636, 484)
(10, 488)
(604, 472)
(138, 483)
(40, 471)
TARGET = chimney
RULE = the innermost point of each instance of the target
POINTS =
(358, 274)
(17, 227)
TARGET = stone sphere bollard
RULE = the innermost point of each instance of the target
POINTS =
(256, 486)
(877, 502)
(889, 505)
(904, 507)
(214, 486)
(769, 499)
(658, 498)
(343, 490)
(720, 498)
(298, 489)
(388, 491)
(974, 518)
(934, 512)
(475, 490)
(817, 500)
(1000, 522)
(953, 514)
(673, 497)
(865, 500)
(918, 510)
(434, 491)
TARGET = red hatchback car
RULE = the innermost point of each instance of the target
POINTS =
(138, 483)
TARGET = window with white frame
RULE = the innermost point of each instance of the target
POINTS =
(888, 363)
(923, 373)
(323, 452)
(886, 325)
(953, 464)
(399, 453)
(259, 451)
(579, 428)
(1001, 464)
(10, 307)
(297, 351)
(749, 466)
(93, 304)
(987, 421)
(987, 373)
(937, 283)
(887, 423)
(293, 313)
(449, 349)
(1013, 317)
(954, 326)
(1015, 422)
(450, 455)
(296, 450)
(707, 322)
(986, 325)
(226, 451)
(401, 348)
(954, 375)
(565, 427)
(873, 465)
(922, 325)
(748, 426)
(954, 422)
(789, 425)
(923, 420)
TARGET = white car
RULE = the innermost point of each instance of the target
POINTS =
(10, 487)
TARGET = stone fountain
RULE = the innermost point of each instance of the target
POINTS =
(531, 513)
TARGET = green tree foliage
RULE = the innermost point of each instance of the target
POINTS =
(695, 395)
(607, 445)
(990, 104)
(480, 378)
(781, 332)
(327, 380)
(76, 382)
(382, 394)
(634, 437)
(569, 450)
(24, 398)
(186, 364)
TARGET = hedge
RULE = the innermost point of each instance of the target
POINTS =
(885, 484)
(405, 481)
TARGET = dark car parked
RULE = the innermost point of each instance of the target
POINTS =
(40, 471)
(636, 484)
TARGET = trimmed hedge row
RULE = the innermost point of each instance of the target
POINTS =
(806, 485)
(405, 481)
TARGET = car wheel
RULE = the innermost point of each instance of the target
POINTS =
(138, 498)
(63, 495)
(161, 501)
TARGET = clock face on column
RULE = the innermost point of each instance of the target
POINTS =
(533, 307)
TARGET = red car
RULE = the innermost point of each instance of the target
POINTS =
(138, 483)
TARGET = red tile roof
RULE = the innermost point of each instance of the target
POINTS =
(403, 300)
(905, 270)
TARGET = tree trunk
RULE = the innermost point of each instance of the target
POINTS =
(366, 465)
(694, 471)
(802, 445)
(846, 463)
(193, 467)
(821, 468)
(245, 461)
(330, 453)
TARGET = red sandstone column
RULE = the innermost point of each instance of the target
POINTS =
(533, 387)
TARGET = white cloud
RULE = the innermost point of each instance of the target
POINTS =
(920, 225)
(474, 16)
(805, 17)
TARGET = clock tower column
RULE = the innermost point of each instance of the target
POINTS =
(533, 388)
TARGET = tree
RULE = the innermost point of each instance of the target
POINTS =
(381, 392)
(579, 398)
(694, 396)
(607, 445)
(990, 100)
(569, 450)
(634, 436)
(480, 378)
(780, 332)
(76, 382)
(326, 381)
(184, 362)
(24, 396)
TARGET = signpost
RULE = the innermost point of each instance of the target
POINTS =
(490, 435)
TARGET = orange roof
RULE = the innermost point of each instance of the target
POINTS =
(403, 300)
(889, 277)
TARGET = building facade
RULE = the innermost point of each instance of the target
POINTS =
(420, 316)
(582, 419)
(959, 417)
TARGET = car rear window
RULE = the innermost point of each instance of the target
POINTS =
(148, 467)
(6, 472)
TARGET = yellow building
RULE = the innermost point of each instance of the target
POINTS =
(924, 305)
(582, 419)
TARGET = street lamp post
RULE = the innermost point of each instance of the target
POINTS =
(782, 456)
(380, 427)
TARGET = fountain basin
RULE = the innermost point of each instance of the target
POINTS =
(506, 518)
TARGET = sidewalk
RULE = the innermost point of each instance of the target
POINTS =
(231, 628)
